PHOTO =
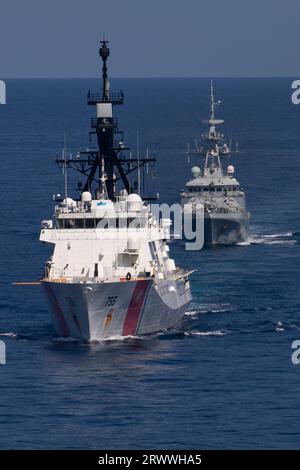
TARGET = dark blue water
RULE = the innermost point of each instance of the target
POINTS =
(226, 380)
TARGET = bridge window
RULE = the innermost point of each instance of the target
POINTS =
(79, 223)
(69, 223)
(89, 223)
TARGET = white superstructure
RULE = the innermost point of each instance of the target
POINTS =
(103, 241)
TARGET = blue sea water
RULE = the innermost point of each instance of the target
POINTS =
(226, 379)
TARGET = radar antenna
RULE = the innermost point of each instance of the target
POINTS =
(109, 156)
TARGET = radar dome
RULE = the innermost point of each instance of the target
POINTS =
(133, 197)
(230, 169)
(69, 202)
(133, 244)
(86, 196)
(134, 202)
(196, 171)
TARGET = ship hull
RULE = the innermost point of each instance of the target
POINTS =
(95, 311)
(223, 230)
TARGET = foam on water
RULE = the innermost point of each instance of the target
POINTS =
(206, 333)
(9, 335)
(96, 341)
(272, 239)
(119, 338)
(68, 339)
(208, 308)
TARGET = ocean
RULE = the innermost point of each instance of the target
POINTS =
(225, 380)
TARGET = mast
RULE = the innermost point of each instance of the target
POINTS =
(212, 101)
(103, 190)
(105, 126)
(65, 168)
(108, 158)
(211, 146)
(212, 133)
(104, 54)
(138, 169)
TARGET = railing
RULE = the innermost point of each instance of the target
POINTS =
(114, 98)
(106, 123)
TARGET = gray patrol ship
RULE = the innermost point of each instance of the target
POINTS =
(226, 219)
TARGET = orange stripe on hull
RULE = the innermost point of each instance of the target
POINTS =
(135, 308)
(57, 310)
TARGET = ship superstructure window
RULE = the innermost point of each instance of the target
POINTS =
(117, 222)
(152, 250)
(112, 222)
(68, 223)
(89, 223)
(79, 223)
(75, 223)
(96, 270)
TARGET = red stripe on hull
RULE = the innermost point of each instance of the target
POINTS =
(57, 310)
(134, 309)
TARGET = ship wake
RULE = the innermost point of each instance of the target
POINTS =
(206, 333)
(199, 309)
(287, 238)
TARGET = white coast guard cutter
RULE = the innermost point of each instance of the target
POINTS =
(110, 272)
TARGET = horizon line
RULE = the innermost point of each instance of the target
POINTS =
(208, 77)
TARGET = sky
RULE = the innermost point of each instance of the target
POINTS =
(150, 38)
